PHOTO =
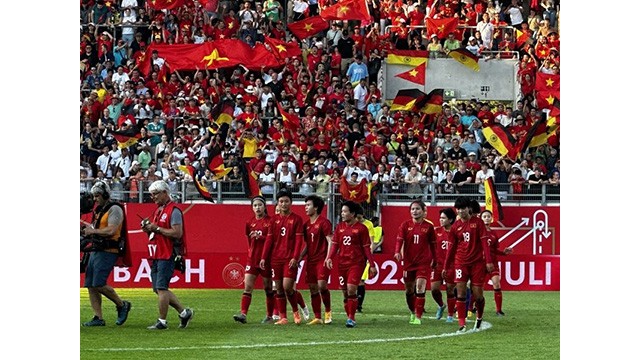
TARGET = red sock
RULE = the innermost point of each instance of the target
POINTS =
(293, 301)
(461, 307)
(497, 296)
(419, 305)
(410, 297)
(326, 299)
(316, 304)
(346, 306)
(245, 302)
(270, 300)
(300, 299)
(451, 305)
(281, 301)
(437, 296)
(479, 308)
(352, 303)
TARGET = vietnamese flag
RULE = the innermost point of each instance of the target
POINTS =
(441, 27)
(501, 139)
(546, 99)
(308, 27)
(201, 188)
(283, 50)
(347, 10)
(415, 75)
(164, 4)
(547, 82)
(357, 193)
(216, 165)
(521, 38)
(289, 120)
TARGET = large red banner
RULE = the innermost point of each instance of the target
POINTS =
(217, 248)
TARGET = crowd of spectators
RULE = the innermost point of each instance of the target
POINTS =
(346, 130)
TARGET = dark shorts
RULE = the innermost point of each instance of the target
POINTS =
(161, 274)
(99, 268)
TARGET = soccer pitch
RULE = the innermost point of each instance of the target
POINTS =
(530, 330)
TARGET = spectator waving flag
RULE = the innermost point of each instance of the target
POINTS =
(165, 4)
(358, 193)
(407, 57)
(126, 138)
(223, 113)
(433, 102)
(290, 121)
(547, 99)
(521, 38)
(216, 165)
(308, 27)
(407, 99)
(283, 50)
(491, 199)
(547, 82)
(201, 188)
(501, 139)
(441, 27)
(250, 181)
(466, 58)
(347, 10)
(415, 75)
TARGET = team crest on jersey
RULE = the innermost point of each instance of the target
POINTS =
(473, 226)
(277, 221)
(291, 221)
(354, 231)
(163, 217)
(459, 228)
(410, 228)
(341, 230)
(423, 230)
(253, 224)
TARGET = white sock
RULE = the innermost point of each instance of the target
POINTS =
(163, 321)
(183, 313)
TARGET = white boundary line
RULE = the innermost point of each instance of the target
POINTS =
(485, 326)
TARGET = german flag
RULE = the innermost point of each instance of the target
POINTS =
(201, 188)
(466, 58)
(406, 99)
(216, 165)
(415, 75)
(250, 180)
(126, 139)
(223, 112)
(501, 139)
(289, 120)
(407, 57)
(433, 102)
(308, 27)
(544, 132)
(491, 199)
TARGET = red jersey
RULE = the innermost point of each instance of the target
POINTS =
(419, 240)
(492, 241)
(442, 245)
(160, 246)
(466, 245)
(256, 244)
(353, 242)
(284, 240)
(315, 236)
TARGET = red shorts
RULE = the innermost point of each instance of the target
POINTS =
(436, 275)
(317, 271)
(350, 274)
(476, 272)
(414, 272)
(496, 271)
(255, 270)
(282, 270)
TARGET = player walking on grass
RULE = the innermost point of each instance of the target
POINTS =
(415, 244)
(465, 257)
(256, 229)
(352, 242)
(167, 244)
(365, 274)
(492, 240)
(283, 247)
(447, 217)
(317, 235)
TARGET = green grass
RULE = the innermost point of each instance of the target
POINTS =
(530, 330)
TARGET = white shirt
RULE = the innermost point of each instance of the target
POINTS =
(128, 19)
(481, 177)
(120, 79)
(362, 174)
(360, 95)
(516, 16)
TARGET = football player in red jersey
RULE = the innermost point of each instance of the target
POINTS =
(447, 217)
(491, 239)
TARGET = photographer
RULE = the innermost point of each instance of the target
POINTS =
(107, 230)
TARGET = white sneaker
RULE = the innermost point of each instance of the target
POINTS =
(305, 313)
(275, 317)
